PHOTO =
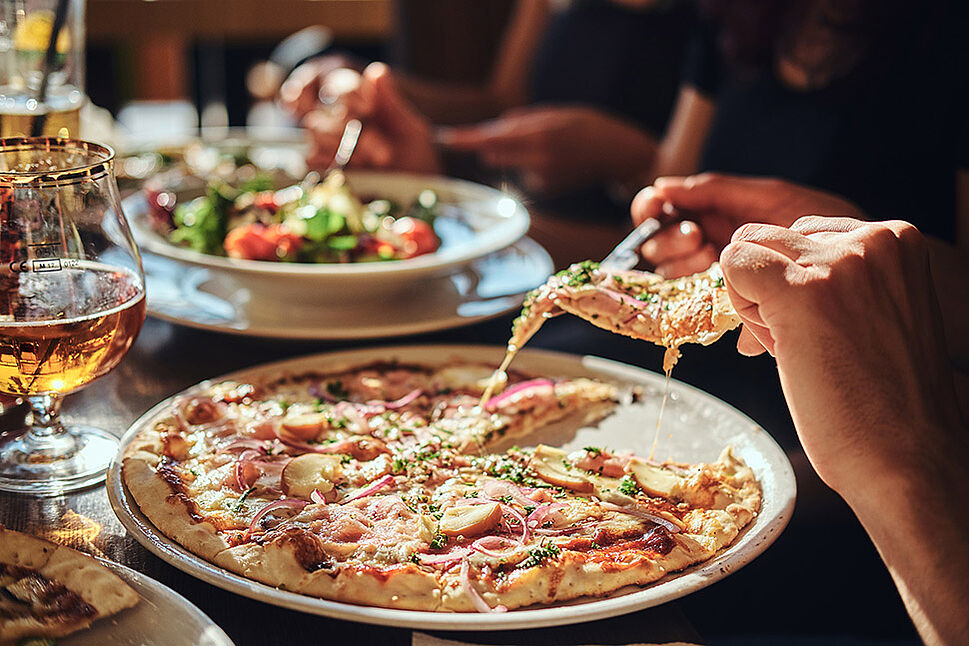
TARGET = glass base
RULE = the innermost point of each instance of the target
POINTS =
(77, 459)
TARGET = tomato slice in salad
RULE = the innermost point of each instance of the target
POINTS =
(417, 236)
(260, 242)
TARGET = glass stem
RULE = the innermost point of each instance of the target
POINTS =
(45, 422)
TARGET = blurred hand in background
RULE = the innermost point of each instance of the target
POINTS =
(558, 148)
(394, 136)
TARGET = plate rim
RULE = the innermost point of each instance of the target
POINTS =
(502, 234)
(525, 245)
(699, 576)
(129, 574)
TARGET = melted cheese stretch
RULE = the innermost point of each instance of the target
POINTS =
(692, 309)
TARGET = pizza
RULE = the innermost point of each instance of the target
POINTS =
(379, 485)
(51, 591)
(642, 305)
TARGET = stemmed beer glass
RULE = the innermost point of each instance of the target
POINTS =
(72, 300)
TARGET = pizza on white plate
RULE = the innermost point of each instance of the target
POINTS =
(375, 485)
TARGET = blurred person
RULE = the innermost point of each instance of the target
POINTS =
(609, 67)
(864, 98)
(848, 310)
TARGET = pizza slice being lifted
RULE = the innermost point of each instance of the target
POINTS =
(49, 590)
(691, 309)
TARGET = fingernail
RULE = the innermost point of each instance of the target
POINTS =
(687, 227)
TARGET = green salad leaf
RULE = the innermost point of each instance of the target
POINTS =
(202, 224)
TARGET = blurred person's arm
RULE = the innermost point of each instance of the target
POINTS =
(848, 310)
(565, 147)
(441, 101)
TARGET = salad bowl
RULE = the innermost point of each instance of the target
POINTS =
(472, 222)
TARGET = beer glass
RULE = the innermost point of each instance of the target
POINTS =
(71, 303)
(25, 32)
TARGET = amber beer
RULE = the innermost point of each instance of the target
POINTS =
(18, 112)
(59, 123)
(75, 325)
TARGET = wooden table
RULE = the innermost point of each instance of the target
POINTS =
(787, 589)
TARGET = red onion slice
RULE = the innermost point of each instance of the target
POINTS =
(476, 599)
(288, 503)
(499, 488)
(518, 517)
(448, 557)
(640, 513)
(387, 480)
(504, 543)
(530, 387)
(246, 473)
(317, 497)
(536, 518)
(243, 443)
(300, 446)
(564, 531)
(403, 401)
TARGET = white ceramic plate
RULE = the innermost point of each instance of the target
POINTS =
(161, 618)
(696, 427)
(491, 221)
(210, 299)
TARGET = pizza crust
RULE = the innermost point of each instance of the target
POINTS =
(169, 514)
(81, 574)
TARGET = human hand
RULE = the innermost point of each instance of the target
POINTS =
(300, 92)
(849, 311)
(394, 134)
(557, 148)
(718, 204)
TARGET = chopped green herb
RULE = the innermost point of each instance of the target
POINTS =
(540, 554)
(592, 450)
(438, 542)
(242, 498)
(628, 486)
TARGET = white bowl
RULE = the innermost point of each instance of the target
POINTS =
(495, 219)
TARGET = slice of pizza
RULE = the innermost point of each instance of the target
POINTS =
(51, 591)
(691, 309)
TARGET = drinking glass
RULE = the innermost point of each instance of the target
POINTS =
(72, 300)
(25, 33)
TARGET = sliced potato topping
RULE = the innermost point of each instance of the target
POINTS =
(306, 426)
(655, 480)
(310, 471)
(551, 465)
(470, 520)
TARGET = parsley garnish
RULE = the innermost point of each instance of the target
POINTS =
(399, 465)
(242, 498)
(540, 554)
(592, 450)
(628, 486)
(438, 542)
